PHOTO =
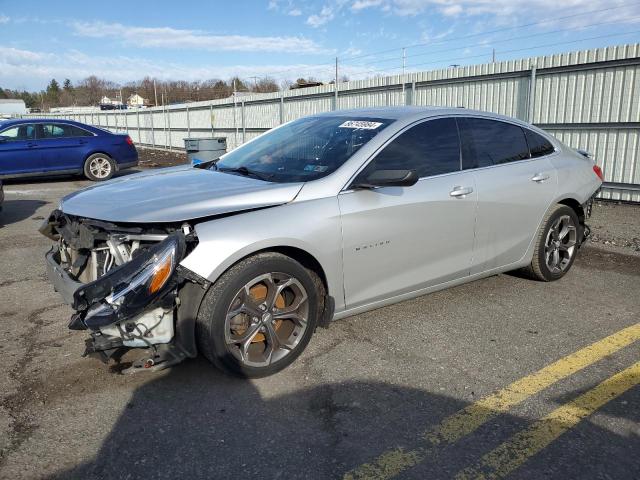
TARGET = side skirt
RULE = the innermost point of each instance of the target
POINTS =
(423, 291)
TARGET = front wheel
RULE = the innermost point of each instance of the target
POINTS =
(259, 315)
(556, 244)
(99, 167)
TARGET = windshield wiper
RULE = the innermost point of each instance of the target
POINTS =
(247, 173)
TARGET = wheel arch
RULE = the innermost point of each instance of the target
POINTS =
(299, 254)
(188, 310)
(576, 206)
(567, 200)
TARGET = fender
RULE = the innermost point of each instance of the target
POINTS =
(225, 241)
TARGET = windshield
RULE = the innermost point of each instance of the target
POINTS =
(305, 149)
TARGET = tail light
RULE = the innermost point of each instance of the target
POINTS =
(128, 140)
(598, 171)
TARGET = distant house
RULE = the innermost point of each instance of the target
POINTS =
(12, 107)
(136, 100)
(107, 103)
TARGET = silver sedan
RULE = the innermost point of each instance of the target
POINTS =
(321, 218)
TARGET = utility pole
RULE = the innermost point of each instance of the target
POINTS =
(404, 62)
(404, 59)
(493, 56)
(235, 121)
(255, 82)
(336, 85)
(155, 91)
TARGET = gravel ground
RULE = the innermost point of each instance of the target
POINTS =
(154, 158)
(616, 225)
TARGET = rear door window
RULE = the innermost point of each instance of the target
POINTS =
(491, 142)
(538, 145)
(19, 133)
(430, 148)
(61, 130)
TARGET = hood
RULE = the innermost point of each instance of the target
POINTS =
(175, 194)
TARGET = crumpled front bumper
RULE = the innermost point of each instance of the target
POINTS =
(62, 282)
(166, 322)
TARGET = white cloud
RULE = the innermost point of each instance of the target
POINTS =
(351, 51)
(501, 9)
(427, 36)
(452, 10)
(15, 56)
(363, 4)
(325, 16)
(167, 37)
(295, 12)
(4, 19)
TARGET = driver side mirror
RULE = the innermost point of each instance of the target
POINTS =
(387, 178)
(3, 139)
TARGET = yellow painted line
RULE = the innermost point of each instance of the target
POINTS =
(523, 445)
(470, 418)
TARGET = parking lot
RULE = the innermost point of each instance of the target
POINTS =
(503, 377)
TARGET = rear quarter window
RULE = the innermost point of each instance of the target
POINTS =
(488, 142)
(538, 145)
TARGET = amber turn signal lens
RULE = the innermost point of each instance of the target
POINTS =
(161, 274)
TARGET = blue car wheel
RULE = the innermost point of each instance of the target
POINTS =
(99, 167)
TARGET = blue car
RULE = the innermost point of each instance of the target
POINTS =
(31, 147)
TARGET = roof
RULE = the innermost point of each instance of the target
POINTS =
(42, 120)
(12, 100)
(394, 113)
(20, 121)
(416, 113)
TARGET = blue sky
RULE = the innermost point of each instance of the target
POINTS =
(124, 41)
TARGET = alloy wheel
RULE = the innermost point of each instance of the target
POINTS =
(266, 319)
(560, 244)
(100, 167)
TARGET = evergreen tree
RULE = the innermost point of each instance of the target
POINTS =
(54, 87)
(53, 92)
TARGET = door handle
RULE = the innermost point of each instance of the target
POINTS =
(540, 177)
(82, 142)
(31, 144)
(460, 192)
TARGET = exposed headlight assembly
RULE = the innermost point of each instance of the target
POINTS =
(128, 289)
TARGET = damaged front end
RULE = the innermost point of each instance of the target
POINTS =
(127, 287)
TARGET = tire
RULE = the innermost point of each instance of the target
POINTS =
(99, 167)
(550, 242)
(235, 326)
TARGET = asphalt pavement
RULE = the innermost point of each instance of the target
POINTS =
(500, 378)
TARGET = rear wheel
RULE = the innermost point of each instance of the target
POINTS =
(99, 167)
(556, 244)
(260, 315)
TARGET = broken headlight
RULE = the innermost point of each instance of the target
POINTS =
(128, 289)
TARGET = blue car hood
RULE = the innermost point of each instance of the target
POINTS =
(175, 194)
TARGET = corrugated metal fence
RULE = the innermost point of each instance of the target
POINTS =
(588, 99)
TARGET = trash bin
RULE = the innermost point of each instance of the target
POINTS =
(201, 150)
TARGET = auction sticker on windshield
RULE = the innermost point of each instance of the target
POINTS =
(360, 124)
